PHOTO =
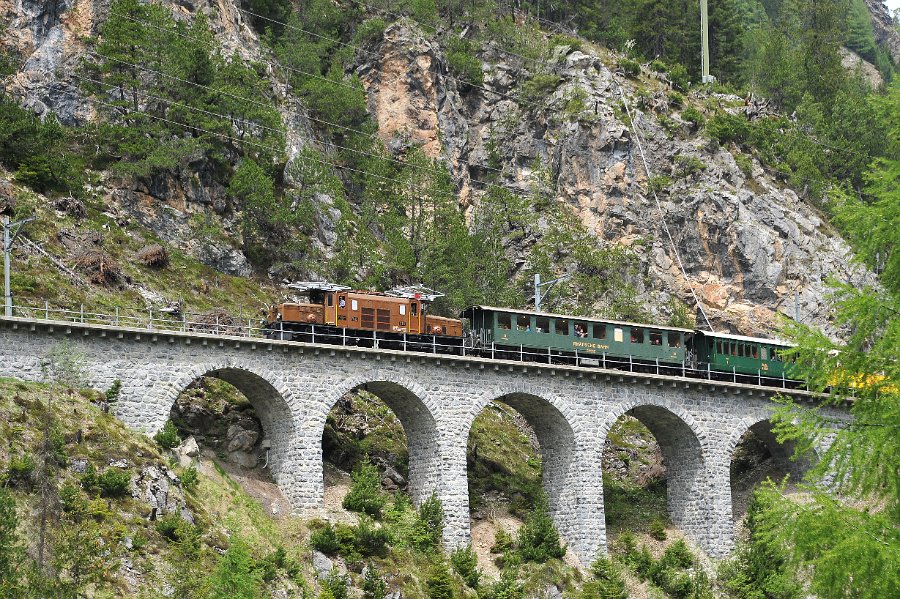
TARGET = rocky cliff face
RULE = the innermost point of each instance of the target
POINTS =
(885, 31)
(748, 244)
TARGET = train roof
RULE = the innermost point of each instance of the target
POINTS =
(582, 318)
(747, 339)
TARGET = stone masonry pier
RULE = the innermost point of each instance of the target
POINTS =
(293, 387)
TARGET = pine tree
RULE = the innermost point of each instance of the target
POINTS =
(365, 493)
(538, 539)
(373, 586)
(236, 577)
(429, 526)
(440, 582)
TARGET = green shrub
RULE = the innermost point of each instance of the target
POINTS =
(369, 539)
(112, 394)
(12, 551)
(686, 165)
(631, 68)
(114, 482)
(429, 527)
(465, 562)
(20, 471)
(170, 526)
(373, 586)
(724, 127)
(335, 585)
(89, 479)
(658, 530)
(439, 582)
(463, 62)
(72, 498)
(607, 582)
(538, 539)
(236, 574)
(190, 478)
(370, 30)
(693, 116)
(678, 555)
(365, 495)
(658, 183)
(325, 539)
(745, 163)
(168, 438)
(539, 87)
(503, 542)
(675, 99)
(505, 588)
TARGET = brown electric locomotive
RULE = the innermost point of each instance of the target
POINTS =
(337, 314)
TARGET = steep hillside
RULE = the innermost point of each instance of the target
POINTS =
(348, 118)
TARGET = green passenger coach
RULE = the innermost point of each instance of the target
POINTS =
(742, 355)
(511, 330)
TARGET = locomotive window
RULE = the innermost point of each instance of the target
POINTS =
(414, 309)
(330, 299)
(354, 305)
(600, 331)
(637, 335)
(755, 349)
(617, 335)
(523, 322)
(504, 321)
(674, 339)
(764, 353)
(562, 326)
(543, 324)
(655, 338)
(402, 309)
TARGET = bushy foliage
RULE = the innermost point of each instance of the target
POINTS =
(370, 539)
(539, 87)
(373, 586)
(114, 482)
(658, 530)
(439, 582)
(725, 127)
(12, 552)
(167, 437)
(365, 494)
(20, 471)
(236, 575)
(335, 585)
(429, 526)
(465, 562)
(112, 394)
(631, 68)
(463, 62)
(606, 582)
(538, 540)
(190, 478)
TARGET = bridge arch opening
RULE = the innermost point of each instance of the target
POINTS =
(388, 422)
(239, 416)
(756, 456)
(518, 446)
(653, 472)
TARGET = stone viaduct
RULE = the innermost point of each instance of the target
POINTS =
(293, 387)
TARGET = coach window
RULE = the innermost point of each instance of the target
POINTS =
(755, 351)
(764, 353)
(655, 338)
(674, 339)
(599, 331)
(561, 326)
(637, 335)
(719, 351)
(618, 336)
(523, 322)
(543, 324)
(581, 329)
(504, 321)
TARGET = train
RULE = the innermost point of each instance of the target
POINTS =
(400, 319)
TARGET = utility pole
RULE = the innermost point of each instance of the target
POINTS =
(538, 296)
(704, 33)
(10, 232)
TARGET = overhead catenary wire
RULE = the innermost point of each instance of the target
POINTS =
(662, 214)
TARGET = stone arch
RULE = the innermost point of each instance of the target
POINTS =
(781, 452)
(417, 413)
(685, 449)
(547, 415)
(266, 392)
(550, 417)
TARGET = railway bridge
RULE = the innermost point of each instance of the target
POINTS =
(293, 386)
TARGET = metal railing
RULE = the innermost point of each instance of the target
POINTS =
(221, 324)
